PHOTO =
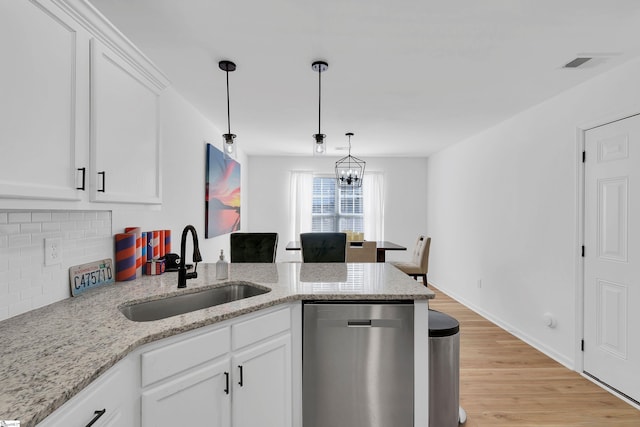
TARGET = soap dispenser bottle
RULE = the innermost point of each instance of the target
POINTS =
(222, 267)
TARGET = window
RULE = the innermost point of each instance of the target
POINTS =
(335, 208)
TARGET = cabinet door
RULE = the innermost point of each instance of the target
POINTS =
(198, 398)
(125, 130)
(262, 384)
(44, 105)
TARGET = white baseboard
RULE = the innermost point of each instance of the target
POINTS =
(560, 358)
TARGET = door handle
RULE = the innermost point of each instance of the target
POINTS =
(84, 173)
(97, 414)
(104, 181)
(241, 376)
(226, 387)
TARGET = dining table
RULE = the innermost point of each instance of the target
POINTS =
(382, 246)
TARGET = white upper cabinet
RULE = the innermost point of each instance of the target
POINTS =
(125, 130)
(79, 107)
(44, 101)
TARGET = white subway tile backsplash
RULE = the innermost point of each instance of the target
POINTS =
(28, 292)
(76, 234)
(76, 216)
(8, 229)
(15, 286)
(4, 288)
(25, 282)
(19, 217)
(19, 307)
(59, 216)
(30, 228)
(83, 225)
(41, 216)
(104, 216)
(67, 225)
(97, 224)
(19, 240)
(51, 226)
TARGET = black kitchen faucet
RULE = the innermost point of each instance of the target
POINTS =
(182, 269)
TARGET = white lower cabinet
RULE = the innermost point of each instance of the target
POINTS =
(238, 375)
(109, 401)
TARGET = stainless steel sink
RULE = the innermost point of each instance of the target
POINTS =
(186, 303)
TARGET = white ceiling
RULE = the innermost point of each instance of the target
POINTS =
(408, 77)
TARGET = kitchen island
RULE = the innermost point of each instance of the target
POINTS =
(51, 354)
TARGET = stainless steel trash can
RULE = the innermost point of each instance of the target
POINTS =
(444, 371)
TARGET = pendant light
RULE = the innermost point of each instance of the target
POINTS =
(319, 147)
(229, 146)
(350, 169)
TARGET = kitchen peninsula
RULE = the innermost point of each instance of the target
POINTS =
(52, 354)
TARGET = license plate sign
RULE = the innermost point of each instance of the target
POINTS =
(86, 276)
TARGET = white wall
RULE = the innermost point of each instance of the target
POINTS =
(185, 132)
(405, 201)
(502, 208)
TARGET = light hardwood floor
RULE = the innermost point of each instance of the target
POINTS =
(506, 382)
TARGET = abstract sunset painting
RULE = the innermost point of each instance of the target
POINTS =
(222, 194)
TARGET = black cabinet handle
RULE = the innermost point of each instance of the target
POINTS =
(98, 414)
(226, 388)
(104, 181)
(84, 174)
(241, 376)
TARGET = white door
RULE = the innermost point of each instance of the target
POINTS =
(197, 398)
(612, 255)
(262, 385)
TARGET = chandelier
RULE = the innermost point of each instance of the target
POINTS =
(350, 169)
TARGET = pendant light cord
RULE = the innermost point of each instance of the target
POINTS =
(228, 107)
(319, 96)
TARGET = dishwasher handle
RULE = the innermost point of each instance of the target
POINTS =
(359, 323)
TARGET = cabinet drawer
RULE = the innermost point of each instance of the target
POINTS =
(260, 327)
(182, 355)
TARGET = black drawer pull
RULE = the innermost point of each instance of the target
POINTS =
(98, 414)
(84, 174)
(226, 388)
(104, 181)
(241, 376)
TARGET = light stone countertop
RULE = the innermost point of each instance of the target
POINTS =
(50, 354)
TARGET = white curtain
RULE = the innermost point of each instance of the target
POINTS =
(373, 195)
(300, 201)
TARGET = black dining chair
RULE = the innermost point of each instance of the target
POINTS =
(323, 247)
(253, 247)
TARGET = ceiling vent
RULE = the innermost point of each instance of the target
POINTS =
(577, 62)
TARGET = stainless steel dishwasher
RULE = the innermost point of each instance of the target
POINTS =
(357, 364)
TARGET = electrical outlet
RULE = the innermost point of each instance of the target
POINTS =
(52, 251)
